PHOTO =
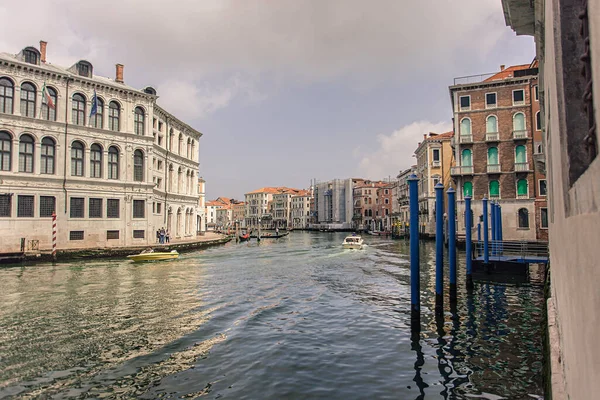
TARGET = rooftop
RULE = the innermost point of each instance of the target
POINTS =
(513, 71)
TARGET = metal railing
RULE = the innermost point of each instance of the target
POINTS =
(492, 137)
(519, 135)
(524, 250)
(463, 80)
(493, 168)
(521, 167)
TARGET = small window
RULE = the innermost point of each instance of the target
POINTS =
(77, 207)
(26, 154)
(138, 122)
(138, 166)
(468, 189)
(518, 97)
(112, 208)
(30, 56)
(25, 206)
(523, 216)
(112, 235)
(47, 156)
(114, 115)
(139, 234)
(158, 208)
(544, 217)
(77, 159)
(84, 69)
(5, 205)
(47, 206)
(95, 208)
(49, 100)
(28, 96)
(76, 235)
(536, 93)
(7, 92)
(139, 209)
(490, 100)
(522, 188)
(494, 189)
(95, 161)
(78, 110)
(386, 201)
(113, 163)
(465, 103)
(436, 157)
(538, 121)
(542, 191)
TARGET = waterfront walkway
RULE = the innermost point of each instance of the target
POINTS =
(181, 244)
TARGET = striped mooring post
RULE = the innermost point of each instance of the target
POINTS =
(54, 236)
(439, 247)
(452, 242)
(415, 275)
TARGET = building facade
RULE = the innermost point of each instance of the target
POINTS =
(300, 213)
(568, 50)
(401, 213)
(282, 207)
(495, 120)
(334, 204)
(434, 161)
(102, 173)
(201, 217)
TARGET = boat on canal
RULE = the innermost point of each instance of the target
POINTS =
(151, 255)
(244, 237)
(353, 242)
(270, 236)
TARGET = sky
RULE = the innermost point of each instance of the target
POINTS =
(284, 91)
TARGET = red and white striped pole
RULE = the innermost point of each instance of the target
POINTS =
(54, 236)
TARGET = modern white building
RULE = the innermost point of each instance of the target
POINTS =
(334, 204)
(112, 177)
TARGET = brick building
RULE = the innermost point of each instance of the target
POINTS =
(497, 125)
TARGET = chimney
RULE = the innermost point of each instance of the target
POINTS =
(502, 67)
(43, 50)
(119, 74)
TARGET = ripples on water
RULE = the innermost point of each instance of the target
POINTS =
(294, 318)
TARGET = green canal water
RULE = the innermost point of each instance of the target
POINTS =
(293, 318)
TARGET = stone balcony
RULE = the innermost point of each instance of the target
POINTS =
(522, 167)
(519, 135)
(493, 168)
(462, 170)
(466, 138)
(492, 137)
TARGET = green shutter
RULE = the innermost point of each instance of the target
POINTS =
(520, 154)
(465, 127)
(468, 189)
(494, 189)
(493, 156)
(491, 124)
(466, 160)
(522, 187)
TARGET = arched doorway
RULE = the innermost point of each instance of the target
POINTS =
(170, 220)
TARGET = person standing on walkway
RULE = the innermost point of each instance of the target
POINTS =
(162, 236)
(158, 236)
(168, 237)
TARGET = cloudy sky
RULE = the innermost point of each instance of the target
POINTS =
(283, 90)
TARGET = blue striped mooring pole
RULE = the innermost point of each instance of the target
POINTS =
(499, 235)
(452, 241)
(486, 253)
(478, 239)
(469, 240)
(439, 247)
(415, 278)
(493, 223)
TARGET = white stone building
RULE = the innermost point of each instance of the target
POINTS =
(300, 210)
(106, 177)
(257, 206)
(201, 211)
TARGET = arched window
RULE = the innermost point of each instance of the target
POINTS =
(520, 154)
(5, 151)
(491, 124)
(98, 118)
(113, 163)
(468, 189)
(193, 157)
(493, 156)
(7, 92)
(466, 158)
(26, 153)
(523, 216)
(538, 121)
(47, 156)
(188, 148)
(171, 177)
(30, 56)
(171, 138)
(95, 161)
(114, 114)
(27, 100)
(49, 113)
(78, 109)
(138, 166)
(179, 179)
(77, 158)
(522, 188)
(180, 144)
(519, 122)
(138, 123)
(465, 126)
(494, 189)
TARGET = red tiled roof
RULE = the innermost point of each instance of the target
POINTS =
(435, 136)
(508, 72)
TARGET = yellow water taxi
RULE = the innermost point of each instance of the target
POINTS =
(150, 255)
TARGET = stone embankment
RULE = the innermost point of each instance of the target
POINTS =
(200, 242)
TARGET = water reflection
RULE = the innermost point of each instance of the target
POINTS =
(293, 318)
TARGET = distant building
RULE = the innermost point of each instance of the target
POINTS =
(300, 213)
(498, 130)
(238, 213)
(201, 217)
(568, 51)
(383, 213)
(261, 206)
(282, 207)
(434, 161)
(334, 204)
(401, 211)
(211, 210)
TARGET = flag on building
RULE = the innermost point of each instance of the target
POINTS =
(94, 109)
(46, 98)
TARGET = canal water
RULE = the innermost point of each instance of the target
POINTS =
(293, 318)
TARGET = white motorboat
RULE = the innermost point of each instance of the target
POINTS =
(353, 242)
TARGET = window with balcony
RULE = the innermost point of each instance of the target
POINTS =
(494, 189)
(493, 160)
(521, 158)
(466, 158)
(519, 125)
(465, 127)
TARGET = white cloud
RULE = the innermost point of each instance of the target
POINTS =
(395, 150)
